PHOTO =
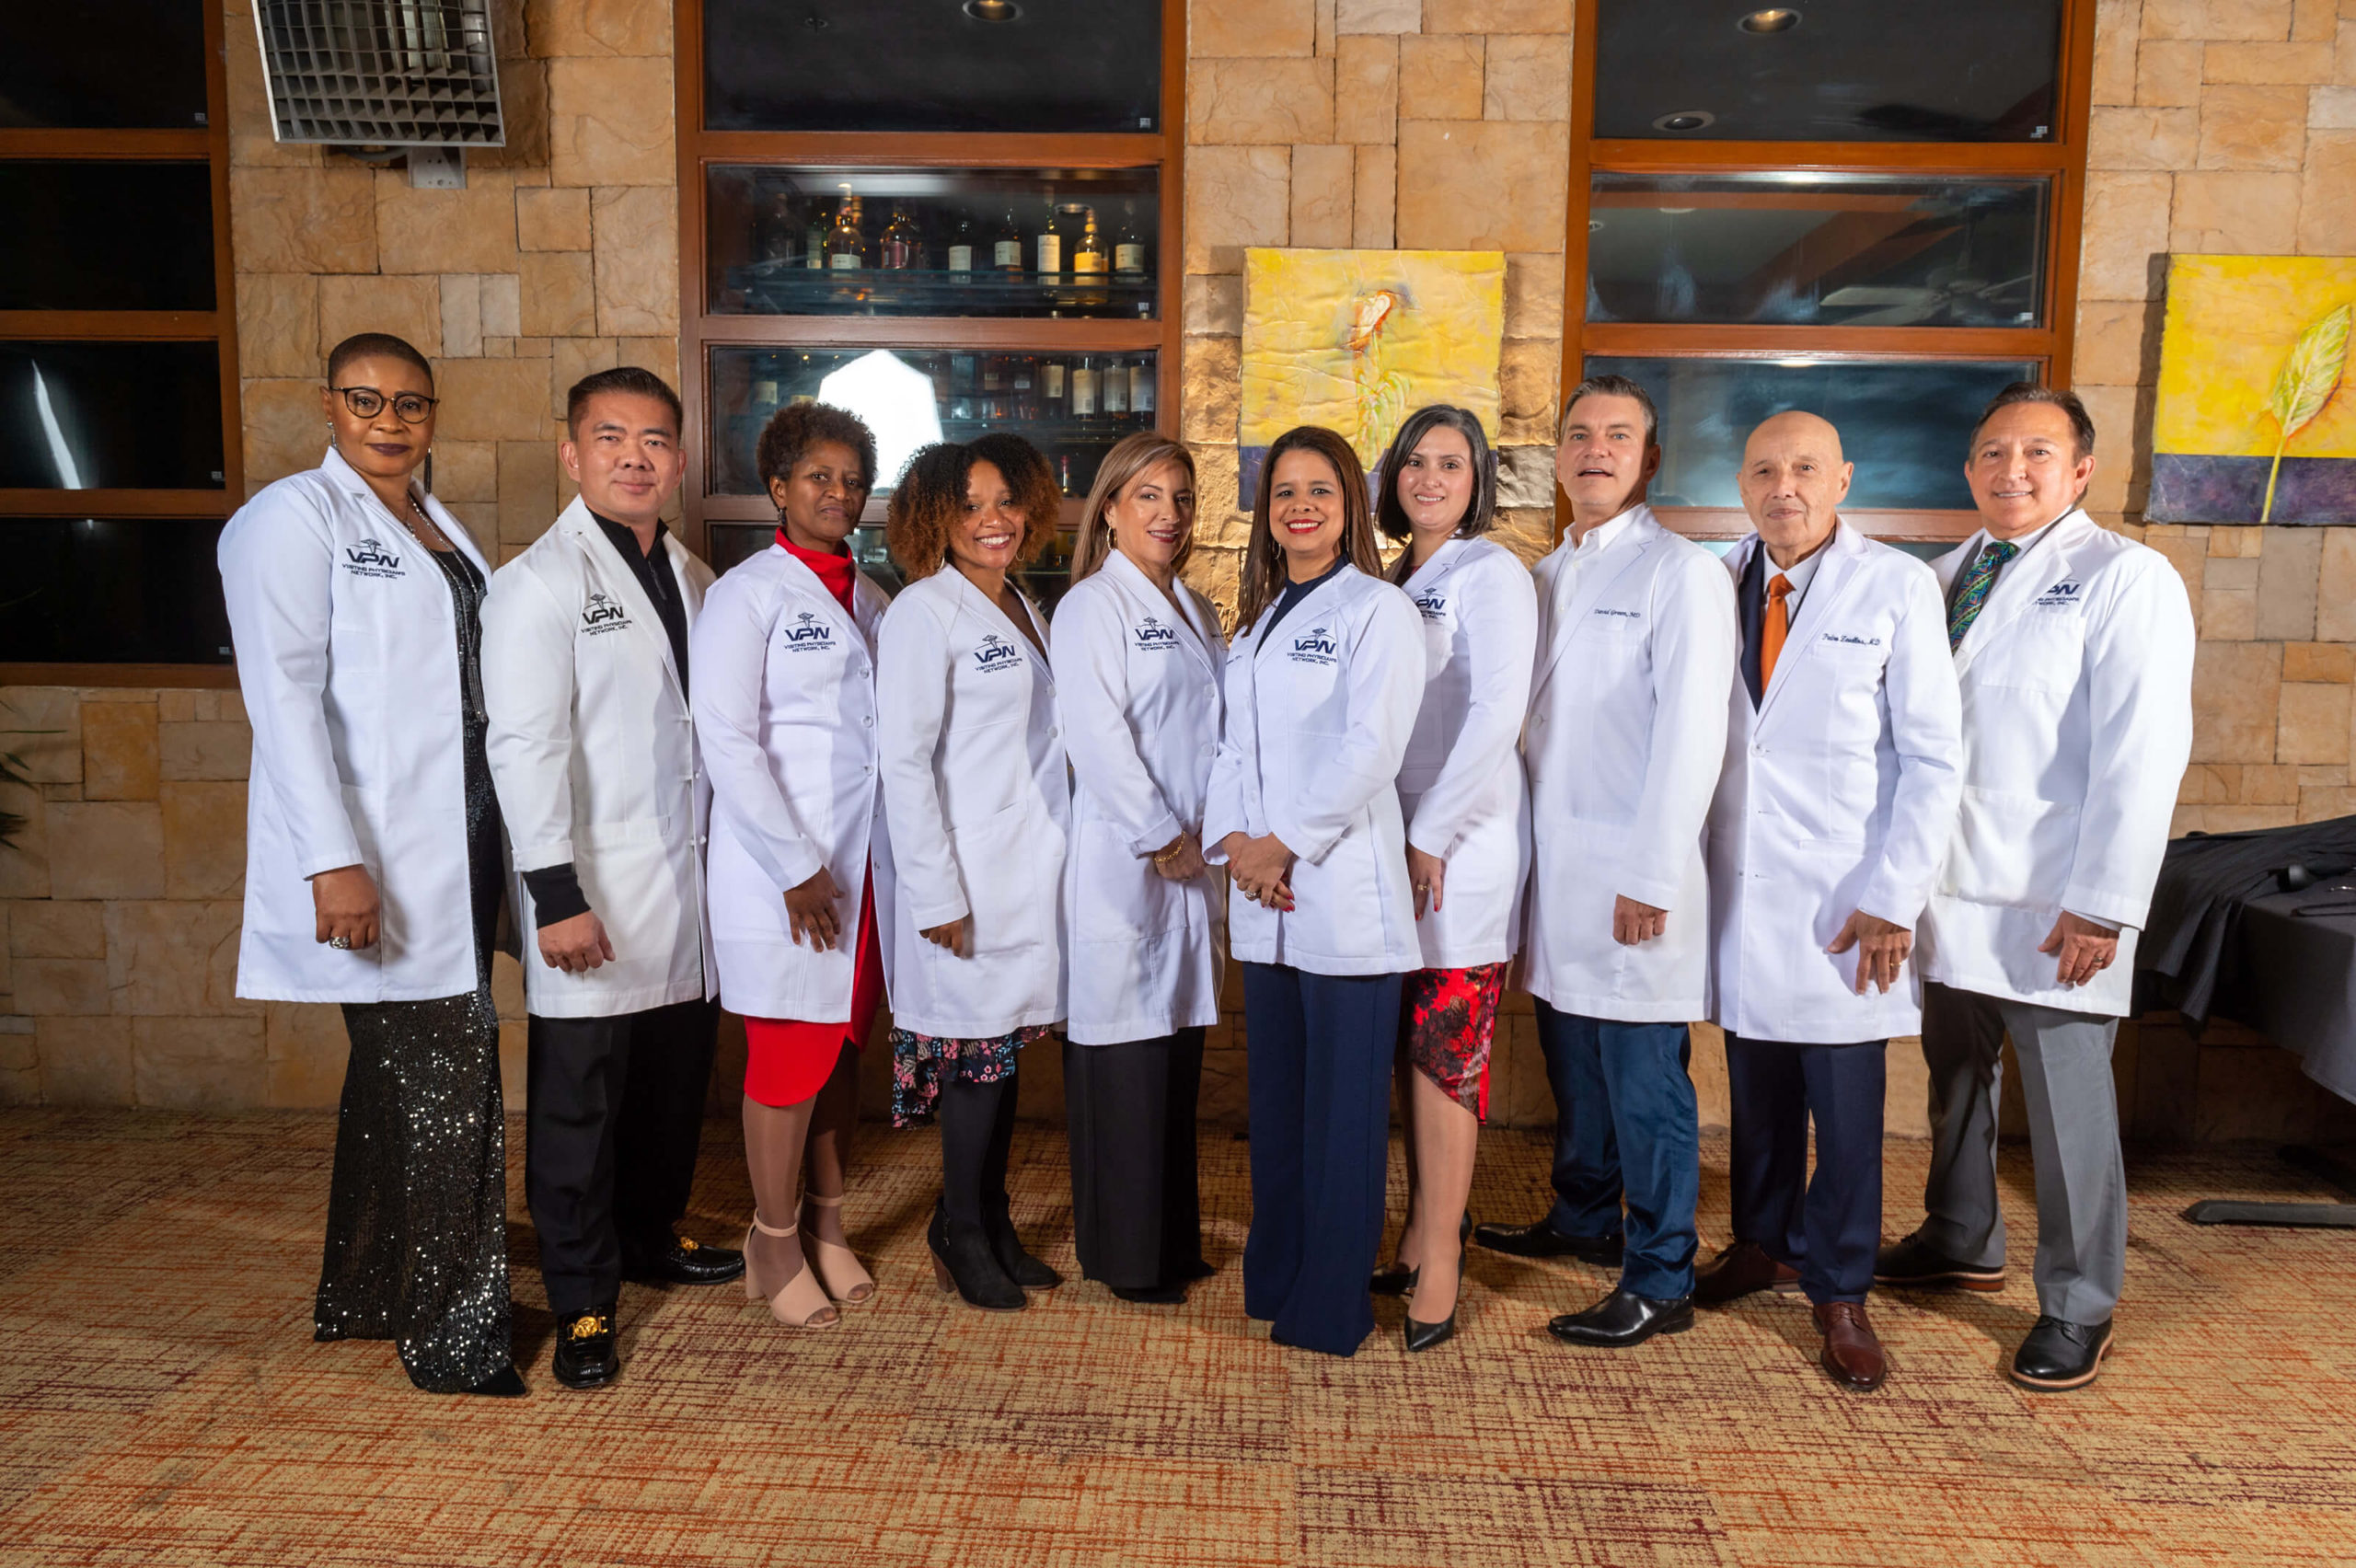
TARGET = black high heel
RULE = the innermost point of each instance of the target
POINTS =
(1423, 1336)
(963, 1262)
(1396, 1281)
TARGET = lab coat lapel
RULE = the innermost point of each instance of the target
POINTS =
(1834, 574)
(431, 586)
(1308, 606)
(2023, 579)
(811, 586)
(609, 570)
(1150, 600)
(1444, 560)
(1581, 585)
(1037, 656)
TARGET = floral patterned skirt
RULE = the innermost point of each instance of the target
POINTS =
(1447, 1020)
(921, 1063)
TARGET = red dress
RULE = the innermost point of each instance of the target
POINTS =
(787, 1060)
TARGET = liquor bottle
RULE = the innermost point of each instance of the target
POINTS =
(1113, 389)
(1051, 389)
(1083, 389)
(1141, 387)
(1089, 257)
(814, 238)
(961, 249)
(1006, 245)
(1128, 246)
(1047, 246)
(1024, 391)
(847, 247)
(902, 248)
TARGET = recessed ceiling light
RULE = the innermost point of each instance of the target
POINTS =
(1686, 119)
(1775, 20)
(992, 10)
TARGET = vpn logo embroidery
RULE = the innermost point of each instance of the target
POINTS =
(1153, 637)
(808, 634)
(2063, 594)
(602, 615)
(1432, 605)
(996, 653)
(370, 558)
(1316, 646)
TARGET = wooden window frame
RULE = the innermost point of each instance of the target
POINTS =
(701, 332)
(217, 326)
(2063, 161)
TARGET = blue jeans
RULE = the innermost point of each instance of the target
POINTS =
(1319, 1050)
(1626, 1126)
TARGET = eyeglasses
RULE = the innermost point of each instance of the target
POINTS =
(367, 403)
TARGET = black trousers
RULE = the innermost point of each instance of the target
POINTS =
(615, 1116)
(1828, 1224)
(1136, 1202)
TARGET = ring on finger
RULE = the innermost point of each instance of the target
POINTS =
(342, 944)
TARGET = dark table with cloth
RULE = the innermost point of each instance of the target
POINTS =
(2224, 940)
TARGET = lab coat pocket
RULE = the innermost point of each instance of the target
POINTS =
(1120, 896)
(998, 869)
(2011, 849)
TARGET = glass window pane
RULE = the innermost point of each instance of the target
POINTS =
(1828, 70)
(113, 591)
(1072, 65)
(1072, 406)
(1840, 250)
(810, 241)
(110, 416)
(1904, 425)
(105, 65)
(63, 248)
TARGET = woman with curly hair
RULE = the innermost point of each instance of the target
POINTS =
(977, 797)
(1321, 685)
(785, 710)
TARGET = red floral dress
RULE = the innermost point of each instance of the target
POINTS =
(1447, 1018)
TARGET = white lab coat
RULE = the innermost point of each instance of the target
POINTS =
(1839, 794)
(1627, 728)
(1138, 688)
(593, 752)
(786, 713)
(978, 797)
(347, 660)
(1461, 787)
(2077, 723)
(1318, 716)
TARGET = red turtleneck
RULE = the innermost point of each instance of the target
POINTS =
(836, 571)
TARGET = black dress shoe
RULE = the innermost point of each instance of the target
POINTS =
(1423, 1336)
(1622, 1319)
(1151, 1295)
(1914, 1264)
(584, 1351)
(505, 1384)
(1540, 1239)
(691, 1262)
(2060, 1355)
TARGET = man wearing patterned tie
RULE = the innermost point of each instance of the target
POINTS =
(1844, 751)
(2073, 648)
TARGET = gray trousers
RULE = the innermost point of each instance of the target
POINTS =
(2073, 1139)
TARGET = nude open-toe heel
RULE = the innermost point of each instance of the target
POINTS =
(839, 1270)
(800, 1302)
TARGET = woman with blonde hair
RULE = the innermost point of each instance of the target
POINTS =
(1323, 682)
(1137, 662)
(976, 800)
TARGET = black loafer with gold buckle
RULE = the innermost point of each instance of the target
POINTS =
(689, 1261)
(585, 1357)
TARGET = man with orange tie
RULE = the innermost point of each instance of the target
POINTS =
(1844, 751)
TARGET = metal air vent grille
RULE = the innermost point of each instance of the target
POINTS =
(381, 73)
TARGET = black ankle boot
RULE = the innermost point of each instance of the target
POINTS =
(963, 1262)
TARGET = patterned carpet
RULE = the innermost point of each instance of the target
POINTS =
(161, 1400)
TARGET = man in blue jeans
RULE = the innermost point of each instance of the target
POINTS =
(1627, 732)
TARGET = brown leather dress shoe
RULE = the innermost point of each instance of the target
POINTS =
(1852, 1355)
(1738, 1272)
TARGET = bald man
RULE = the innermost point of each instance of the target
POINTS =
(1844, 747)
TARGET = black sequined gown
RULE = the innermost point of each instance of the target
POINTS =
(417, 1209)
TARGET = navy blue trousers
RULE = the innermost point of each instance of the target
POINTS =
(1626, 1127)
(1827, 1226)
(1319, 1050)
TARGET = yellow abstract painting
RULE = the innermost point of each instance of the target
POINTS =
(1358, 340)
(2256, 421)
